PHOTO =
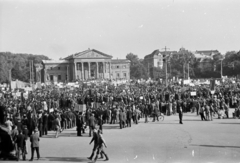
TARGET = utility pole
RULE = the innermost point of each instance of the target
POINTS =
(30, 70)
(166, 61)
(221, 68)
(10, 78)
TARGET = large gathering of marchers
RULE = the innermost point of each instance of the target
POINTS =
(90, 106)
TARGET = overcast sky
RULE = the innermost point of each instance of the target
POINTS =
(117, 27)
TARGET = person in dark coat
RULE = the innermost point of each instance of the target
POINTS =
(124, 118)
(50, 121)
(21, 143)
(180, 114)
(121, 119)
(79, 125)
(45, 124)
(129, 117)
(95, 139)
(40, 125)
(34, 139)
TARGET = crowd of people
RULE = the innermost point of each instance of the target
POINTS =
(54, 109)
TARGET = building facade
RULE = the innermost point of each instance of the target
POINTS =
(89, 64)
(154, 62)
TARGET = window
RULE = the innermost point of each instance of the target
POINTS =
(51, 77)
(117, 66)
(125, 75)
(59, 77)
(51, 68)
(59, 68)
(118, 75)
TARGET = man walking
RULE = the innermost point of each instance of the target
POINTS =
(34, 139)
(100, 149)
(95, 139)
(91, 124)
(21, 145)
(180, 114)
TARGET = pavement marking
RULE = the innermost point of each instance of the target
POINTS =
(193, 153)
(153, 157)
(135, 157)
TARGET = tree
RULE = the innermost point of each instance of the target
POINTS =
(137, 69)
(133, 58)
(18, 65)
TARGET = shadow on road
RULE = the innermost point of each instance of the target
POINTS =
(68, 159)
(229, 123)
(215, 146)
(192, 120)
(110, 127)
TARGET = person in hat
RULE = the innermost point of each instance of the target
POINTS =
(34, 139)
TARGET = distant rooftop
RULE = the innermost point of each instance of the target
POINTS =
(207, 52)
(55, 61)
(120, 60)
(87, 51)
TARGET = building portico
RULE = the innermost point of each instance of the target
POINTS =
(89, 64)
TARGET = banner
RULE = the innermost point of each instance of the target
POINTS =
(193, 93)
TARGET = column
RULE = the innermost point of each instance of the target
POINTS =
(82, 72)
(110, 77)
(75, 71)
(89, 70)
(67, 75)
(103, 70)
(45, 75)
(97, 70)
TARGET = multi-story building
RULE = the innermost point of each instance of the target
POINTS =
(156, 60)
(205, 59)
(89, 64)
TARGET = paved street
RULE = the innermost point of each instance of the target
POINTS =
(154, 142)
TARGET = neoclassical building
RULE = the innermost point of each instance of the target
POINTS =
(89, 64)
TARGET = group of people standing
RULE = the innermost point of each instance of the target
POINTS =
(38, 115)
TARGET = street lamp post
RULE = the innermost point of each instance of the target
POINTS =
(221, 68)
(166, 61)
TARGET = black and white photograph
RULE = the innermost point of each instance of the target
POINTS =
(120, 81)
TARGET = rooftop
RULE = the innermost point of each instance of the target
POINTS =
(55, 61)
(120, 60)
(207, 52)
(86, 51)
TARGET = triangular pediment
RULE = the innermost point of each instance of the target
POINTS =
(92, 54)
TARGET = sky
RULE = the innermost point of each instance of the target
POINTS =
(58, 28)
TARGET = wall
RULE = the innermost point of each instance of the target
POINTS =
(121, 69)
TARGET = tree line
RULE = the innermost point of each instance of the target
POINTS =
(179, 64)
(18, 65)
